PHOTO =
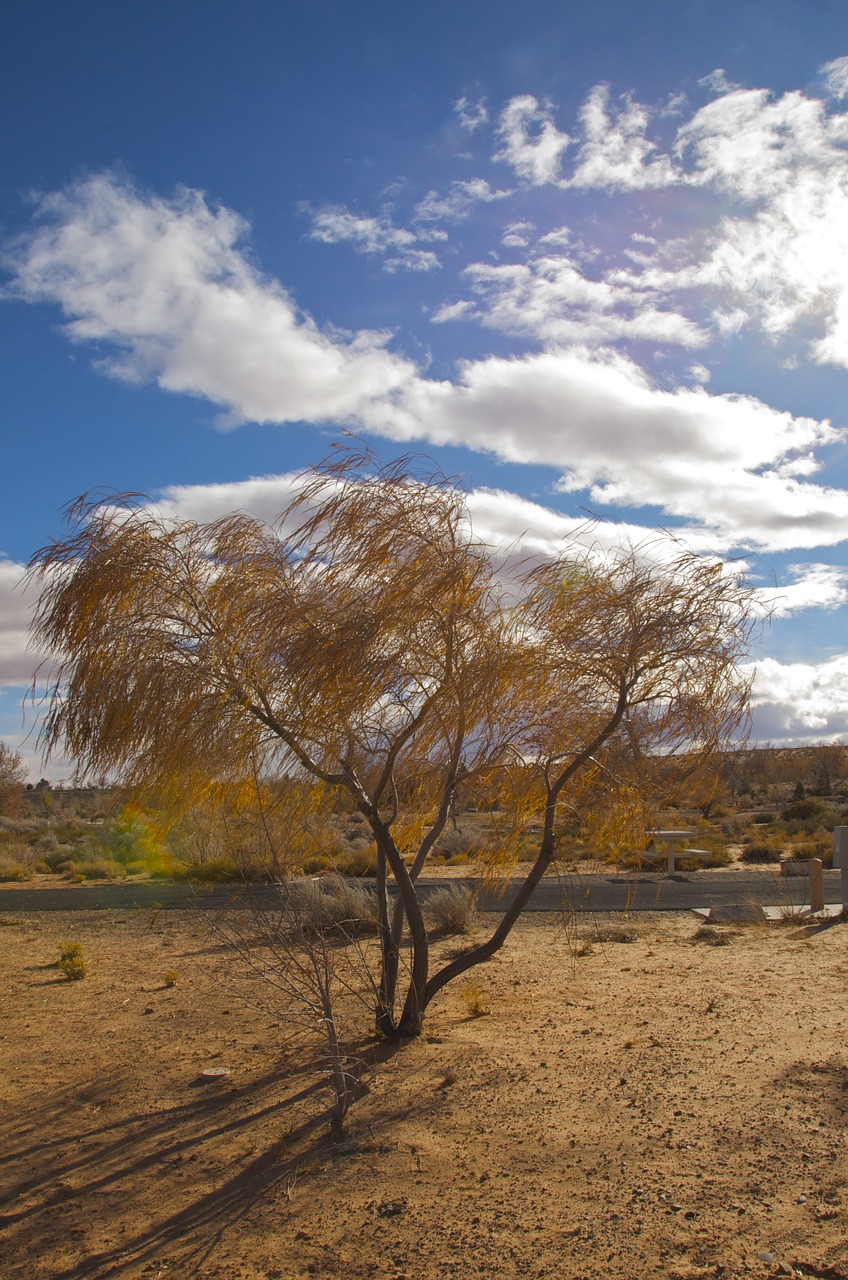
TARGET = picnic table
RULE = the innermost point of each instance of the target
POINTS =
(672, 840)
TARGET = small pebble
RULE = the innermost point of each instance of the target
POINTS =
(802, 1199)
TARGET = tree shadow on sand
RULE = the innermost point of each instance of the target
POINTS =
(92, 1199)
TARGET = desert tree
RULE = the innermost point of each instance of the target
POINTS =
(367, 641)
(12, 779)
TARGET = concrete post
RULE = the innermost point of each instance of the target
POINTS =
(816, 885)
(840, 860)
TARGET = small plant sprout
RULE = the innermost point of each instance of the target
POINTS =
(473, 997)
(171, 978)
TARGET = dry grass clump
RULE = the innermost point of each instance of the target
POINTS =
(616, 933)
(333, 903)
(17, 860)
(714, 936)
(451, 910)
(760, 851)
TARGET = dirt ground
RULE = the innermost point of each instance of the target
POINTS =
(653, 1107)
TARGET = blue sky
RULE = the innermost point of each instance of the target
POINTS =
(594, 258)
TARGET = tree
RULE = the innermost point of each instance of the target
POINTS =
(12, 779)
(367, 641)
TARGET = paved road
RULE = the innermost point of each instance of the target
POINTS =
(596, 892)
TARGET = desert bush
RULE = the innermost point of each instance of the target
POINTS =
(17, 860)
(72, 961)
(616, 933)
(451, 910)
(12, 778)
(810, 816)
(713, 937)
(171, 978)
(762, 819)
(762, 851)
(333, 904)
(359, 862)
(720, 856)
(820, 846)
(220, 869)
(11, 869)
(93, 868)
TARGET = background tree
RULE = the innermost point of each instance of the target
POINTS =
(12, 779)
(367, 641)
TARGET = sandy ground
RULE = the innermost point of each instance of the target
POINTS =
(658, 1107)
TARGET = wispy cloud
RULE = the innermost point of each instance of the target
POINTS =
(471, 114)
(530, 142)
(615, 153)
(835, 75)
(335, 224)
(553, 299)
(458, 202)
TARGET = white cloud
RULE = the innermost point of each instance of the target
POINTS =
(780, 256)
(260, 496)
(724, 463)
(518, 235)
(334, 224)
(615, 154)
(718, 82)
(17, 662)
(835, 75)
(800, 702)
(751, 144)
(530, 141)
(458, 202)
(815, 586)
(550, 298)
(471, 114)
(165, 283)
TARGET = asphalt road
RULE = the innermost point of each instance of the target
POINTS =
(643, 891)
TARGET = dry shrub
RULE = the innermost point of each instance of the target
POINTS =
(17, 860)
(359, 862)
(616, 933)
(333, 903)
(820, 846)
(713, 937)
(451, 910)
(72, 961)
(759, 851)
